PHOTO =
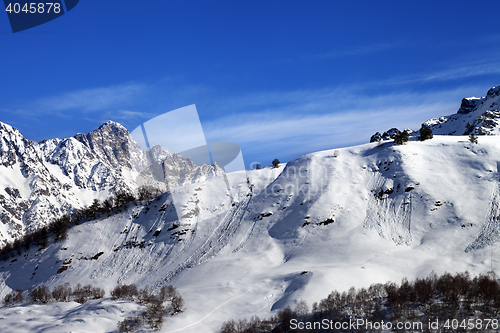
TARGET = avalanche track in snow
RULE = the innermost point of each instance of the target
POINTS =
(219, 238)
(273, 248)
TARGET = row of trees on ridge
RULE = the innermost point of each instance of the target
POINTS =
(59, 227)
(459, 297)
(167, 301)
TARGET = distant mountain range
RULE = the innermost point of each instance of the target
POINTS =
(40, 181)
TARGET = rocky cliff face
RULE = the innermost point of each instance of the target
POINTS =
(40, 181)
(480, 116)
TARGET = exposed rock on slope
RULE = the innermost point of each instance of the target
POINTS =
(371, 214)
(42, 181)
(480, 116)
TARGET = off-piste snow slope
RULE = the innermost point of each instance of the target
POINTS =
(40, 181)
(366, 214)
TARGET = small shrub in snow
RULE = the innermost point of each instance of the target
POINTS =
(129, 324)
(276, 163)
(146, 295)
(153, 316)
(177, 303)
(14, 297)
(147, 192)
(127, 292)
(401, 138)
(167, 293)
(473, 138)
(98, 293)
(425, 133)
(87, 292)
(229, 327)
(155, 307)
(40, 294)
(62, 293)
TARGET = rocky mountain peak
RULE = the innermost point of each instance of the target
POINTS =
(111, 123)
(114, 143)
(469, 104)
(54, 177)
(7, 128)
(493, 92)
(478, 115)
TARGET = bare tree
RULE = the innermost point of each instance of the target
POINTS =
(62, 293)
(14, 297)
(302, 309)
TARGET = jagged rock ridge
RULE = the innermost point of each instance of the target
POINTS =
(480, 116)
(40, 181)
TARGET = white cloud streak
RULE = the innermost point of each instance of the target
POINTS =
(92, 100)
(292, 121)
(458, 72)
(361, 50)
(306, 121)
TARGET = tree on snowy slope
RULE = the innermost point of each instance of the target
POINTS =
(401, 138)
(42, 240)
(473, 138)
(425, 133)
(94, 208)
(60, 227)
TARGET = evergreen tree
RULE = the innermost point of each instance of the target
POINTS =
(94, 208)
(425, 133)
(43, 237)
(401, 138)
(473, 138)
(61, 227)
(276, 163)
(107, 205)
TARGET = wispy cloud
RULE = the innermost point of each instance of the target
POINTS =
(452, 73)
(123, 116)
(298, 122)
(129, 115)
(360, 50)
(291, 122)
(91, 100)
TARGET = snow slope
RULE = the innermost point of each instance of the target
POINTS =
(40, 181)
(374, 213)
(478, 115)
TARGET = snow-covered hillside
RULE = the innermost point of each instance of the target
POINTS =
(480, 116)
(373, 213)
(42, 181)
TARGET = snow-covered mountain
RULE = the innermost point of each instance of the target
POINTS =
(328, 220)
(480, 116)
(372, 214)
(42, 181)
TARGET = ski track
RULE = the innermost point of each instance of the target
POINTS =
(208, 315)
(219, 238)
(391, 219)
(491, 225)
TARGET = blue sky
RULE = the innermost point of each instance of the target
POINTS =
(278, 78)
